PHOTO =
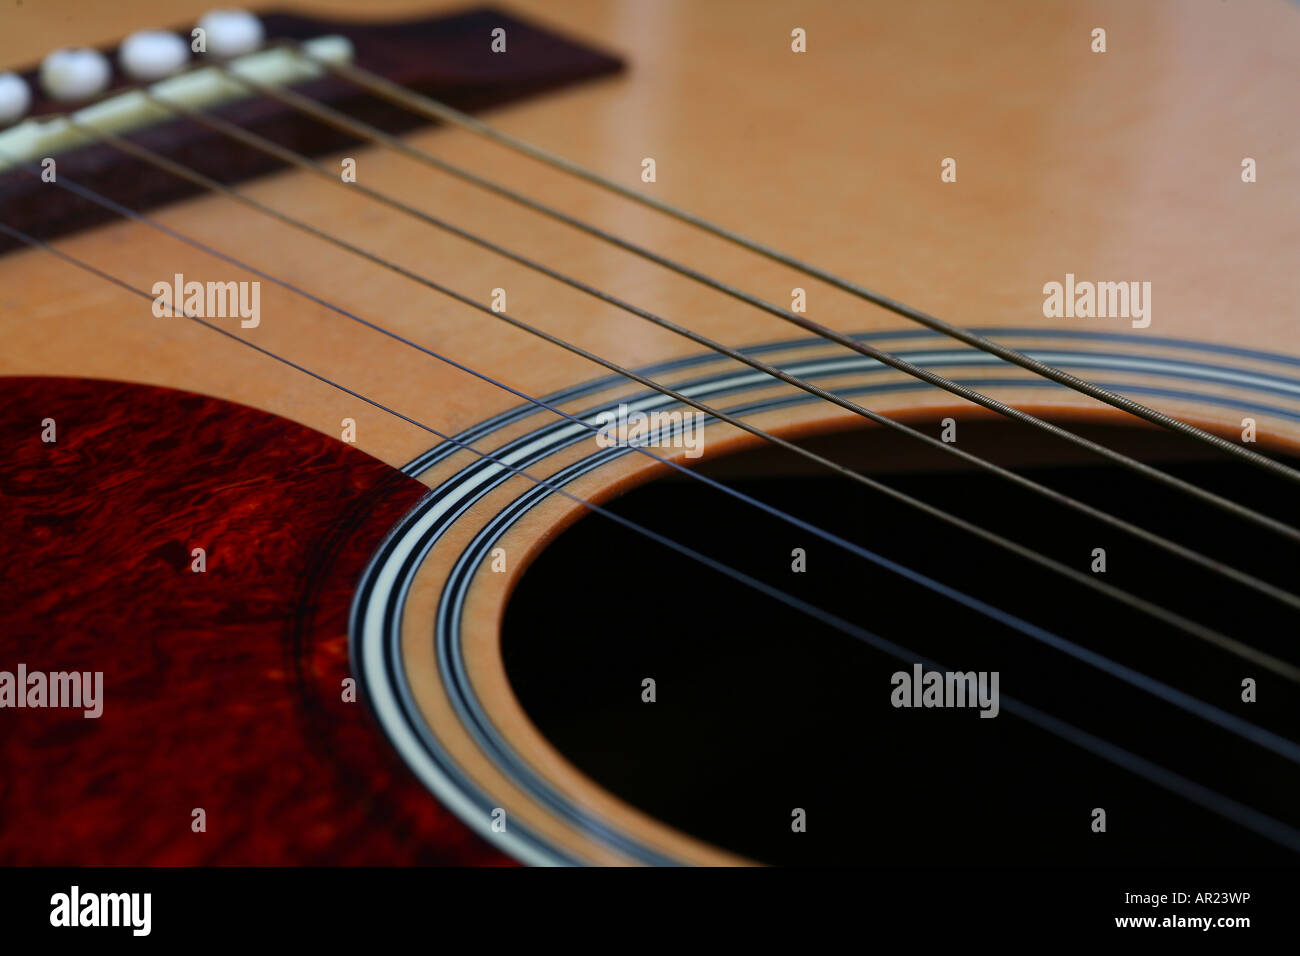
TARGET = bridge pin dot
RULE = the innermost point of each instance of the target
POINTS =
(231, 32)
(15, 98)
(69, 75)
(152, 55)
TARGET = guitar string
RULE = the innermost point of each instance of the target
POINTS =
(1150, 608)
(342, 121)
(1041, 635)
(1184, 787)
(287, 155)
(1184, 701)
(434, 109)
(322, 113)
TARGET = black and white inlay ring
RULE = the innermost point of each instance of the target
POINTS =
(1265, 384)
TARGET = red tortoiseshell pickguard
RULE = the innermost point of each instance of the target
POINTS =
(223, 689)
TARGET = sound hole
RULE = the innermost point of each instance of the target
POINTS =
(761, 710)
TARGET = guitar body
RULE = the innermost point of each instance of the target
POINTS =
(227, 690)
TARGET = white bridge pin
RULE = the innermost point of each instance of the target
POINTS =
(152, 55)
(15, 98)
(231, 32)
(69, 75)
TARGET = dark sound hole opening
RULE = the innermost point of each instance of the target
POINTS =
(762, 710)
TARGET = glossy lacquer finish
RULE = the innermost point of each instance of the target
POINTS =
(1123, 166)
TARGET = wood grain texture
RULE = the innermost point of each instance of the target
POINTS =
(1124, 165)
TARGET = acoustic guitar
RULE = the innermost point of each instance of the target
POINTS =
(650, 433)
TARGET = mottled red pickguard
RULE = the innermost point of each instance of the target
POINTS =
(223, 689)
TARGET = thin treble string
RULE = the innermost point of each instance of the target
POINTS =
(1178, 621)
(1287, 671)
(1175, 783)
(287, 155)
(434, 109)
(1143, 605)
